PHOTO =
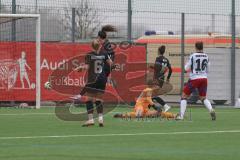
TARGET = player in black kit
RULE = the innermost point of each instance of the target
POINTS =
(161, 66)
(96, 83)
(105, 47)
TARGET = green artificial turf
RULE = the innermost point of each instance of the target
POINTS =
(27, 134)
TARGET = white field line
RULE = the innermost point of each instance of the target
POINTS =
(192, 112)
(53, 113)
(25, 114)
(123, 134)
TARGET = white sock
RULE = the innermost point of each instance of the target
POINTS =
(183, 106)
(208, 105)
(100, 117)
(166, 107)
(90, 118)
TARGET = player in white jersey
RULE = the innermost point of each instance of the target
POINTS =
(22, 66)
(198, 65)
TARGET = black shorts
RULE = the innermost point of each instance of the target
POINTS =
(160, 81)
(98, 86)
(107, 70)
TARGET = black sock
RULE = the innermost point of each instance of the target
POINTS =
(99, 106)
(89, 105)
(159, 100)
(157, 108)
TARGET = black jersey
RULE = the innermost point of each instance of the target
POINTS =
(107, 47)
(160, 67)
(96, 64)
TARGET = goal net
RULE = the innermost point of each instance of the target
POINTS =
(20, 59)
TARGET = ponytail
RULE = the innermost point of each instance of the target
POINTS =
(107, 28)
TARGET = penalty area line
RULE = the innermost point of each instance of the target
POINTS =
(123, 134)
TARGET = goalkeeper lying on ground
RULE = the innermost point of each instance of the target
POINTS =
(143, 107)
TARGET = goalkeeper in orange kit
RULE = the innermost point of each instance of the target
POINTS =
(143, 107)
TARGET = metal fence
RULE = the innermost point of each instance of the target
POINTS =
(131, 17)
(79, 21)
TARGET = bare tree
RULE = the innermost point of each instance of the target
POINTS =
(87, 19)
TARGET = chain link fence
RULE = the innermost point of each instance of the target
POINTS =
(146, 15)
(57, 17)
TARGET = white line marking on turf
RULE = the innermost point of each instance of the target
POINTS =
(123, 134)
(25, 114)
(29, 114)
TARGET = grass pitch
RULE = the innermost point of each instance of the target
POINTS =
(38, 135)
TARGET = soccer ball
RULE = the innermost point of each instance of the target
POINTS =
(47, 85)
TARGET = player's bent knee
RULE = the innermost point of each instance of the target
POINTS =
(98, 102)
(99, 96)
(90, 96)
(202, 98)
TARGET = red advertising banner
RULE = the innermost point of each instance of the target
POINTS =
(18, 71)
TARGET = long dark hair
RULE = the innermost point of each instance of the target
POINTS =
(107, 28)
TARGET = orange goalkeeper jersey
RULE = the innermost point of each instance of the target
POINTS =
(144, 100)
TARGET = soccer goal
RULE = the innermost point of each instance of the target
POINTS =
(20, 53)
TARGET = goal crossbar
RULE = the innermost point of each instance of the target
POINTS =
(19, 15)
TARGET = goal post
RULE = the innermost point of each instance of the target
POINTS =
(6, 20)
